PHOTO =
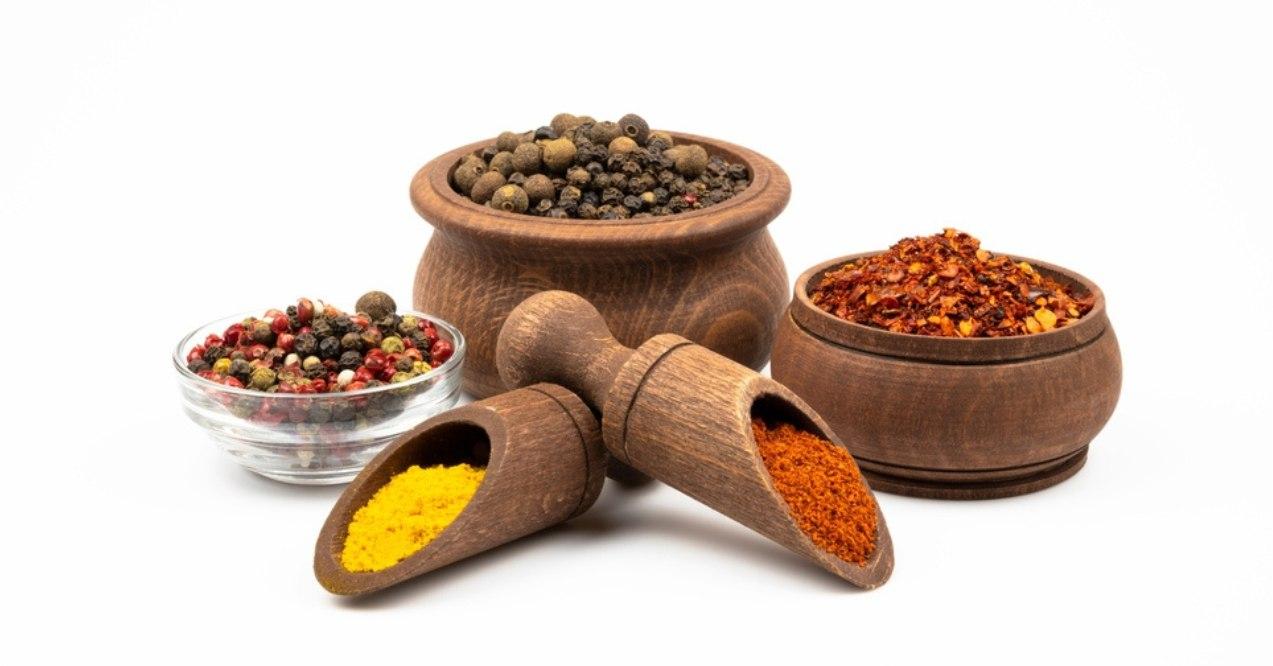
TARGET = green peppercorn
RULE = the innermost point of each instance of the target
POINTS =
(311, 363)
(622, 145)
(392, 345)
(376, 304)
(262, 378)
(526, 158)
(502, 162)
(507, 141)
(486, 186)
(222, 366)
(558, 154)
(635, 128)
(510, 198)
(399, 377)
(351, 340)
(466, 174)
(539, 187)
(409, 324)
(604, 132)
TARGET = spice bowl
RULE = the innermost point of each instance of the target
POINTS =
(314, 439)
(712, 275)
(949, 417)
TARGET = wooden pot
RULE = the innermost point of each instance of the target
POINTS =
(954, 418)
(545, 464)
(713, 275)
(678, 412)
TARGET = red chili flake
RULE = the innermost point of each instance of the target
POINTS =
(946, 285)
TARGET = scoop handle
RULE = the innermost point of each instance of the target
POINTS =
(559, 337)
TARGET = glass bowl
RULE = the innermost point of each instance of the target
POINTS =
(320, 438)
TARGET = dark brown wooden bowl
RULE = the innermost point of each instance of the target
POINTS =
(954, 418)
(713, 275)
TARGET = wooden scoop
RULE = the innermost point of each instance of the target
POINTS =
(545, 464)
(678, 412)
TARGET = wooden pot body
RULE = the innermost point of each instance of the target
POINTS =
(954, 418)
(713, 276)
(545, 464)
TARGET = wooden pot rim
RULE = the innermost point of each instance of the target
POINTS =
(910, 346)
(731, 220)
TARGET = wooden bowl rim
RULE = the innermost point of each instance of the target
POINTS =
(745, 213)
(853, 335)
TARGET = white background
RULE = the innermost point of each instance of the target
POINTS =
(165, 164)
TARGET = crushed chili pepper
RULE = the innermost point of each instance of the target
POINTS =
(823, 489)
(946, 285)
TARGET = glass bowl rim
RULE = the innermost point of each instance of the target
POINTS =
(457, 357)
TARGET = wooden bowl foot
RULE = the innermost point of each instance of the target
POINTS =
(976, 490)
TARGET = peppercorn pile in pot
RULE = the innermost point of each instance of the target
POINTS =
(946, 285)
(311, 348)
(577, 167)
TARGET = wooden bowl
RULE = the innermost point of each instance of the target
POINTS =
(954, 418)
(713, 275)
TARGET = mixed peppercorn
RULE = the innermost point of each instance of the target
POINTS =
(315, 348)
(577, 167)
(946, 285)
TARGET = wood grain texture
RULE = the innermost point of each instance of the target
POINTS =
(955, 418)
(544, 461)
(712, 275)
(678, 412)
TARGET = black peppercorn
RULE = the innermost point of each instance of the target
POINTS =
(633, 203)
(214, 353)
(240, 368)
(488, 152)
(198, 365)
(350, 360)
(544, 206)
(306, 344)
(545, 132)
(351, 340)
(518, 178)
(329, 347)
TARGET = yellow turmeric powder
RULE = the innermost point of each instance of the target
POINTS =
(406, 514)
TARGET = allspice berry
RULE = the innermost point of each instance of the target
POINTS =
(539, 187)
(690, 160)
(526, 158)
(510, 198)
(635, 128)
(467, 173)
(622, 145)
(558, 154)
(503, 163)
(578, 176)
(660, 135)
(603, 133)
(562, 122)
(486, 186)
(507, 141)
(376, 304)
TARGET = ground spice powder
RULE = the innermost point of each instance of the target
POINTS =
(946, 285)
(406, 514)
(823, 489)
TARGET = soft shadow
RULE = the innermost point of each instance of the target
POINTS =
(614, 517)
(247, 481)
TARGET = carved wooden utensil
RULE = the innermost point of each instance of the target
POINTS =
(545, 464)
(678, 412)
